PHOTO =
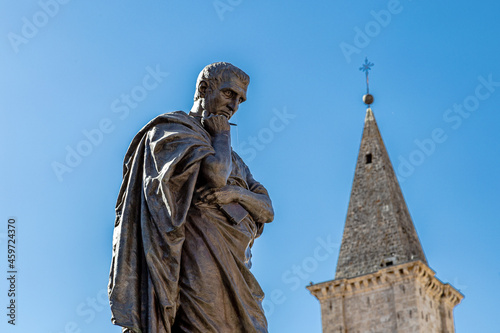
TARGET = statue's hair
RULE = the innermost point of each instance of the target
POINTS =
(219, 72)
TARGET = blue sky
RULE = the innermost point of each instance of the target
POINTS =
(66, 71)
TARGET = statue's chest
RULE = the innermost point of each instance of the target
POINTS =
(238, 174)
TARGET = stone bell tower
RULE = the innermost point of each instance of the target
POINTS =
(383, 282)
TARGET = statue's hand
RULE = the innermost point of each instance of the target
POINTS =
(216, 124)
(223, 195)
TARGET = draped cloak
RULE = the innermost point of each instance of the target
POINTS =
(180, 265)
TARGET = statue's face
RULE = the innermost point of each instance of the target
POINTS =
(224, 99)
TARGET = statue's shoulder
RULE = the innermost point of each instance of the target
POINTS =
(174, 121)
(237, 157)
(174, 115)
(179, 118)
(171, 117)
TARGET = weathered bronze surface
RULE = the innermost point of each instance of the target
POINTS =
(187, 215)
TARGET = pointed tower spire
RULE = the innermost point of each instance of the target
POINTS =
(378, 231)
(382, 279)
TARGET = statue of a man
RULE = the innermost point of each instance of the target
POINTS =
(187, 215)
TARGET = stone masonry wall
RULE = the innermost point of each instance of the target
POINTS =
(403, 299)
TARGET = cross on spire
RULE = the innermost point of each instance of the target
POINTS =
(366, 67)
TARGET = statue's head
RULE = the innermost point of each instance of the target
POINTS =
(220, 89)
(214, 74)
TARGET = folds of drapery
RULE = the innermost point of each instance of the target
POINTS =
(218, 292)
(160, 172)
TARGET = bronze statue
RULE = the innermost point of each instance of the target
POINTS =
(187, 215)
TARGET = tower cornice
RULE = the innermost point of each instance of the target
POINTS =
(416, 270)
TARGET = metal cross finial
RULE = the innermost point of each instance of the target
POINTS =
(366, 67)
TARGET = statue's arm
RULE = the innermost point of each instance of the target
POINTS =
(256, 201)
(216, 168)
(258, 205)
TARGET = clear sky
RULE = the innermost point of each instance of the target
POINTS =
(80, 78)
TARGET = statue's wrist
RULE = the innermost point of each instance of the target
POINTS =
(222, 135)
